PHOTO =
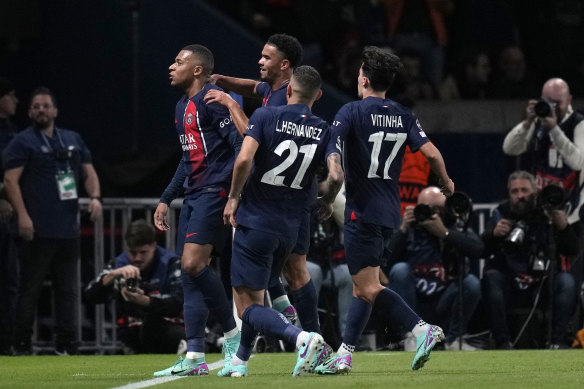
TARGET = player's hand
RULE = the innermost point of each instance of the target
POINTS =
(447, 188)
(324, 209)
(25, 228)
(502, 228)
(407, 219)
(128, 271)
(230, 210)
(217, 96)
(434, 226)
(160, 217)
(213, 78)
(95, 209)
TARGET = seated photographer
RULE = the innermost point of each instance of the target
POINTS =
(426, 252)
(518, 244)
(146, 282)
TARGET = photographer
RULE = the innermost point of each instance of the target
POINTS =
(146, 282)
(553, 135)
(518, 240)
(425, 253)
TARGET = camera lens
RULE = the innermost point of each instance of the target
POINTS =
(422, 212)
(542, 108)
(552, 197)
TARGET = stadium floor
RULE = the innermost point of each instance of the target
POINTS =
(447, 369)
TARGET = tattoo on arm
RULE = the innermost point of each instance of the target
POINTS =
(334, 179)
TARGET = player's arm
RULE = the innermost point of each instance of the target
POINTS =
(330, 186)
(437, 165)
(241, 171)
(172, 191)
(237, 115)
(242, 86)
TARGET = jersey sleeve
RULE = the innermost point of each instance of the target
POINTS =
(16, 154)
(83, 150)
(263, 88)
(221, 119)
(339, 130)
(257, 123)
(416, 135)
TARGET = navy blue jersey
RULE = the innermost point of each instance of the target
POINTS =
(292, 141)
(51, 216)
(209, 142)
(375, 133)
(272, 98)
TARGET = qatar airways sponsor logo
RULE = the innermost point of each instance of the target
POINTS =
(188, 142)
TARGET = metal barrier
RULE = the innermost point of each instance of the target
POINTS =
(102, 241)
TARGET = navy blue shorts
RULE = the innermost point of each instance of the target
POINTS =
(201, 220)
(303, 240)
(364, 244)
(257, 256)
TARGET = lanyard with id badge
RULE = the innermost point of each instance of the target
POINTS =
(65, 178)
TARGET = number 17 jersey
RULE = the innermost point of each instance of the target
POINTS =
(375, 133)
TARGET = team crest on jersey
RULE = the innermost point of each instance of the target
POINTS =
(422, 133)
(189, 118)
(302, 116)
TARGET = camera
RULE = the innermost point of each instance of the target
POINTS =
(422, 212)
(132, 284)
(515, 237)
(544, 108)
(458, 209)
(552, 197)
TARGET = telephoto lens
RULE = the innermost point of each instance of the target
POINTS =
(543, 108)
(422, 212)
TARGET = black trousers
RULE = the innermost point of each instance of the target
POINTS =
(8, 282)
(155, 336)
(40, 258)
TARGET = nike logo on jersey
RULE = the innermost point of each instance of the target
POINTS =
(191, 234)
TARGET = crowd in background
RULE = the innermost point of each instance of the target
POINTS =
(479, 49)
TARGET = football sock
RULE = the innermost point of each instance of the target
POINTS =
(345, 349)
(215, 298)
(195, 315)
(419, 328)
(357, 319)
(248, 336)
(301, 339)
(307, 307)
(267, 321)
(394, 309)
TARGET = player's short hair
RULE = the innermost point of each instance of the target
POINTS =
(306, 81)
(380, 67)
(43, 90)
(203, 55)
(140, 233)
(289, 46)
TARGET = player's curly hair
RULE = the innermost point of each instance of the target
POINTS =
(204, 55)
(289, 46)
(380, 67)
